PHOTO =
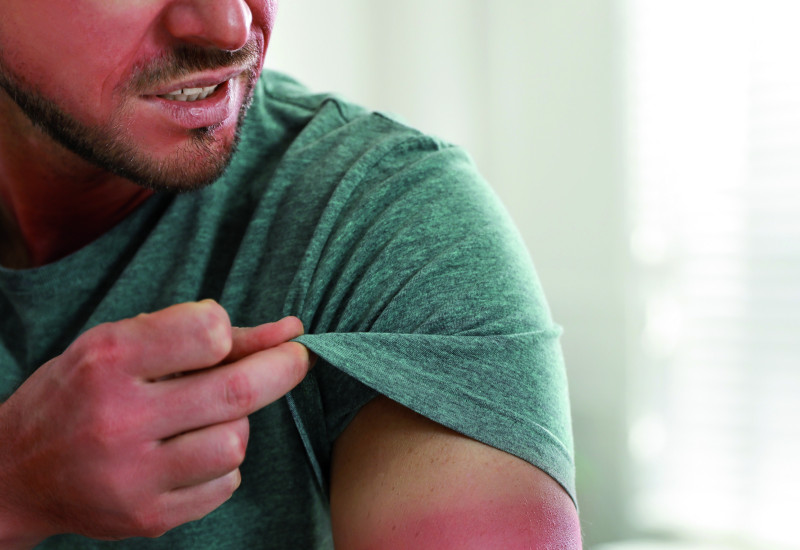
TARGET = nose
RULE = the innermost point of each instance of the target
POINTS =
(224, 24)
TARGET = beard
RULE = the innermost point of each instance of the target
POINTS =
(197, 163)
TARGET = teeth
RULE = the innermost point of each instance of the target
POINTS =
(189, 94)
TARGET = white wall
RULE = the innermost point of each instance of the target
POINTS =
(533, 89)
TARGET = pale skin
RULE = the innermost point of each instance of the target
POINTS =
(120, 439)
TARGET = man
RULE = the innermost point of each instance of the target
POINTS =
(137, 414)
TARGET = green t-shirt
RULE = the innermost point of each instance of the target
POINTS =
(392, 250)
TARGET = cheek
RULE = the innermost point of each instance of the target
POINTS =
(264, 12)
(75, 51)
(113, 38)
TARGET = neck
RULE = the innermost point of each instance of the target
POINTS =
(51, 202)
(35, 231)
(13, 253)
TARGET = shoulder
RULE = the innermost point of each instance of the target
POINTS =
(280, 99)
(323, 123)
(326, 159)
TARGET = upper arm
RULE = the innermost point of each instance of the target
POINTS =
(399, 480)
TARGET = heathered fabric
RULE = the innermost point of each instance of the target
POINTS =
(392, 250)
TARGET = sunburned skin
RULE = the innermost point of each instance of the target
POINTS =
(483, 526)
(407, 482)
(99, 107)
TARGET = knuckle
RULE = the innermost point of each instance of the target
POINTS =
(238, 392)
(149, 524)
(233, 450)
(234, 480)
(96, 379)
(215, 329)
(225, 486)
(100, 348)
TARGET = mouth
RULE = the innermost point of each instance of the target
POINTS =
(189, 94)
(198, 87)
(197, 104)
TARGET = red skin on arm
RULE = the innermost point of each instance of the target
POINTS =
(486, 525)
(401, 481)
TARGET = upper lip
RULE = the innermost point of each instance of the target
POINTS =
(201, 80)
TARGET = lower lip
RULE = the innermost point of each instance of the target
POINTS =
(202, 113)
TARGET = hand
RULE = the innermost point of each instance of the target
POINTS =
(140, 425)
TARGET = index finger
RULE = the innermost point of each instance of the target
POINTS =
(176, 339)
(250, 340)
(227, 392)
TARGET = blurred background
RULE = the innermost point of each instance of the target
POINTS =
(649, 151)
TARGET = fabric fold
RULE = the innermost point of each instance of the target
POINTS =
(445, 378)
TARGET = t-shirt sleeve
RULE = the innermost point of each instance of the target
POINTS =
(416, 286)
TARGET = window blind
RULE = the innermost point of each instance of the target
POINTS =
(715, 200)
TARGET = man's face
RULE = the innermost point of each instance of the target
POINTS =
(152, 90)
